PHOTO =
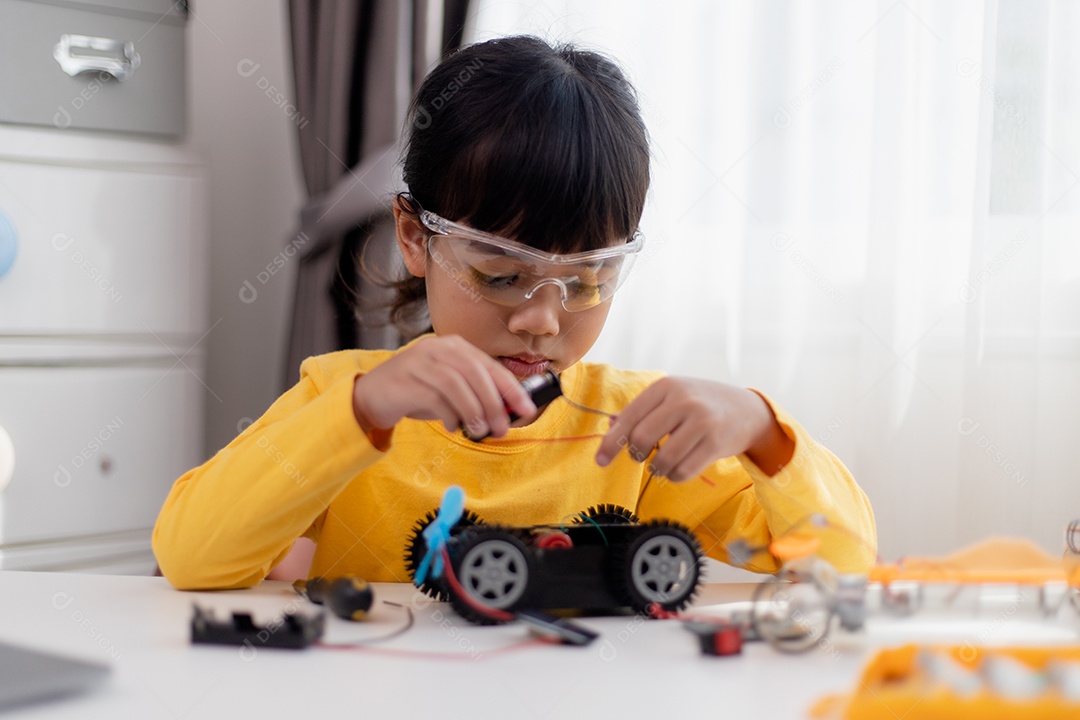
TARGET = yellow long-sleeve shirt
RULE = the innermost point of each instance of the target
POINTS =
(305, 468)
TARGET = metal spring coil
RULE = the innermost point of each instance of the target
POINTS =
(1072, 536)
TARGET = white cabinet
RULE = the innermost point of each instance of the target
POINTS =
(102, 322)
(101, 250)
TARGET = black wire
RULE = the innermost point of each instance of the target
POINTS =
(409, 622)
(611, 416)
(585, 408)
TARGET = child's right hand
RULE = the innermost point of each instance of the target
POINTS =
(441, 378)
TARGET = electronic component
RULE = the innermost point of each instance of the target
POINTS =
(348, 596)
(549, 626)
(290, 630)
(717, 638)
(541, 388)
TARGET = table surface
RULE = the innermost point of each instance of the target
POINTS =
(443, 665)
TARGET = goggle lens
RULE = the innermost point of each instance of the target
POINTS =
(507, 278)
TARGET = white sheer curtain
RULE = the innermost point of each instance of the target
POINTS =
(869, 211)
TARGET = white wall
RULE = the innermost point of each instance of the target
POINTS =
(238, 51)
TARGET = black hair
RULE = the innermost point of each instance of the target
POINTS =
(544, 144)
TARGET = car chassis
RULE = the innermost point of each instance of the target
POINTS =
(606, 560)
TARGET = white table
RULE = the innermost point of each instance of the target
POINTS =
(637, 669)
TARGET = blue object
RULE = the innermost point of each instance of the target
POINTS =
(9, 243)
(437, 533)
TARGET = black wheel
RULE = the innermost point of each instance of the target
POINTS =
(607, 514)
(416, 548)
(662, 566)
(494, 568)
(792, 617)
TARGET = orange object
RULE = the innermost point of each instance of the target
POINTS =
(895, 685)
(996, 560)
(794, 546)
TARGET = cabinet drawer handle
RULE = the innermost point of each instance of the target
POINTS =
(9, 243)
(82, 53)
(7, 459)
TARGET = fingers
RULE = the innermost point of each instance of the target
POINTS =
(512, 396)
(634, 429)
(457, 399)
(693, 418)
(676, 456)
(450, 380)
(474, 390)
(689, 464)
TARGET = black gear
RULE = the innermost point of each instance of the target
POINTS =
(416, 548)
(608, 513)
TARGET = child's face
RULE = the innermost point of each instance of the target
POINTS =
(537, 335)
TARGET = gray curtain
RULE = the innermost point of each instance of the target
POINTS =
(356, 64)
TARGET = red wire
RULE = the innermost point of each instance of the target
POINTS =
(495, 442)
(442, 655)
(658, 613)
(493, 613)
(510, 443)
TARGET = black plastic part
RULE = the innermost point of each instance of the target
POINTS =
(293, 631)
(564, 630)
(348, 596)
(608, 513)
(541, 388)
(717, 638)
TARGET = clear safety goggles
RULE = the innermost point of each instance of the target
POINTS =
(509, 273)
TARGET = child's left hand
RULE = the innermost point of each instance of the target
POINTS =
(704, 421)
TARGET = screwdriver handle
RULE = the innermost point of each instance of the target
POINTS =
(348, 597)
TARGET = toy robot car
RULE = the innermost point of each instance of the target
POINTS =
(606, 560)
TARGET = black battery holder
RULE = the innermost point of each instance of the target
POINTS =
(293, 631)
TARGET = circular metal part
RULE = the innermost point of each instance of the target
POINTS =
(791, 617)
(1072, 537)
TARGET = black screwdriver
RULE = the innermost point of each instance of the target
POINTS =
(348, 597)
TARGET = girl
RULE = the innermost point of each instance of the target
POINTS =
(527, 168)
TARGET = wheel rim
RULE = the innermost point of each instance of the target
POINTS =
(495, 573)
(791, 617)
(663, 569)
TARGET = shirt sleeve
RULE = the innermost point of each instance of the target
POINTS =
(226, 523)
(737, 510)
